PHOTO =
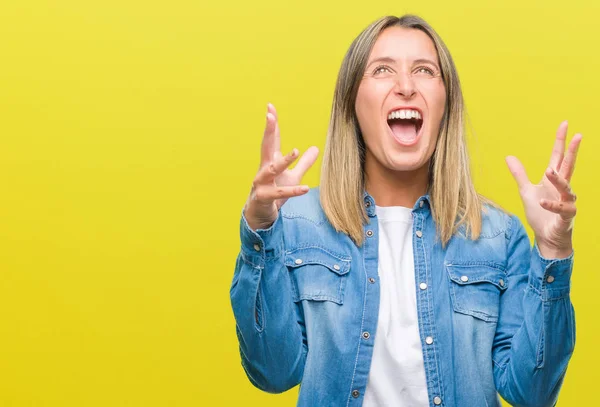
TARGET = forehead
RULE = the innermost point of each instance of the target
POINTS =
(403, 43)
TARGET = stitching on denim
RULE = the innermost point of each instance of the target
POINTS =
(492, 234)
(476, 263)
(299, 216)
(338, 256)
(362, 322)
(534, 289)
(310, 297)
(295, 289)
(248, 260)
(432, 319)
(539, 355)
(500, 365)
(508, 234)
(477, 314)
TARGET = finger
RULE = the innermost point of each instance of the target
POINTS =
(269, 172)
(271, 109)
(270, 193)
(518, 171)
(561, 185)
(559, 146)
(568, 165)
(306, 161)
(270, 141)
(566, 210)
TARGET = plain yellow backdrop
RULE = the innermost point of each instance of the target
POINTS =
(130, 133)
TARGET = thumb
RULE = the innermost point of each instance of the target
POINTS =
(518, 171)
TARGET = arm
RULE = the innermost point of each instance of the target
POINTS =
(269, 324)
(535, 335)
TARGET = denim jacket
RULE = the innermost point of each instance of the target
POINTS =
(306, 300)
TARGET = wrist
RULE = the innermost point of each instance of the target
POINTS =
(550, 251)
(256, 222)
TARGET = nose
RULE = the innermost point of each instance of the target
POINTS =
(405, 85)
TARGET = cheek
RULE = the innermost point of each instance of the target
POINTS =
(434, 93)
(369, 101)
(438, 100)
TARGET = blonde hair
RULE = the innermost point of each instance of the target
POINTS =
(454, 201)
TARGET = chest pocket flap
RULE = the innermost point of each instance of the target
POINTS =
(475, 289)
(317, 274)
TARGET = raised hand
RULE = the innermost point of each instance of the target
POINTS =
(275, 182)
(550, 204)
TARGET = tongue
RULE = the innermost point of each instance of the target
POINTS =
(404, 129)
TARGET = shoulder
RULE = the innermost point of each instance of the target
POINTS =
(496, 220)
(307, 207)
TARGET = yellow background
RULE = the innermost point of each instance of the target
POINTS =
(130, 133)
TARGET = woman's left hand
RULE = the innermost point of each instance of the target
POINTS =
(550, 204)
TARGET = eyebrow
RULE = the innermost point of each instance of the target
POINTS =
(393, 61)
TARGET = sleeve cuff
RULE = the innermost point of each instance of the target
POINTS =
(550, 277)
(257, 245)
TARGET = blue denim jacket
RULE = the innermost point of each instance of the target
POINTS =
(306, 300)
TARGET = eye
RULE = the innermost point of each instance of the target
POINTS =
(425, 70)
(381, 69)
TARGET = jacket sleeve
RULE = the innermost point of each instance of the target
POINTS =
(535, 335)
(269, 324)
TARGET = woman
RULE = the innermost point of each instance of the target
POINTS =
(394, 283)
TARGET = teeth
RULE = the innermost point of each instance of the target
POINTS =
(404, 114)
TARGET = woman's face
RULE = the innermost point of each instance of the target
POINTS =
(400, 101)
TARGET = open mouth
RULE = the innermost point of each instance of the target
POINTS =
(406, 125)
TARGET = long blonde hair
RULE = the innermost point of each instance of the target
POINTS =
(454, 201)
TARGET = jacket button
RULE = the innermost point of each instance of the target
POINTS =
(429, 340)
(423, 286)
(419, 233)
(464, 279)
(369, 233)
(366, 335)
(437, 401)
(355, 393)
(501, 282)
(371, 280)
(550, 279)
(298, 261)
(421, 204)
(336, 267)
(256, 247)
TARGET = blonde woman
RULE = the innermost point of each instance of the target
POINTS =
(395, 283)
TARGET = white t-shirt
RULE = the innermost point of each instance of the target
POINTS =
(397, 374)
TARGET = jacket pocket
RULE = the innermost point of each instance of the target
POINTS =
(475, 288)
(317, 274)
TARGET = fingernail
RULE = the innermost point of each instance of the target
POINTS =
(270, 116)
(294, 152)
(304, 188)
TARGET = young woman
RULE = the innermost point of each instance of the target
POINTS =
(395, 283)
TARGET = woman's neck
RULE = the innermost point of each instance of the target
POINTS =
(396, 188)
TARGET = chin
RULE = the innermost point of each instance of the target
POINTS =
(405, 163)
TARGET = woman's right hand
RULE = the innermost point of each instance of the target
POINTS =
(275, 182)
